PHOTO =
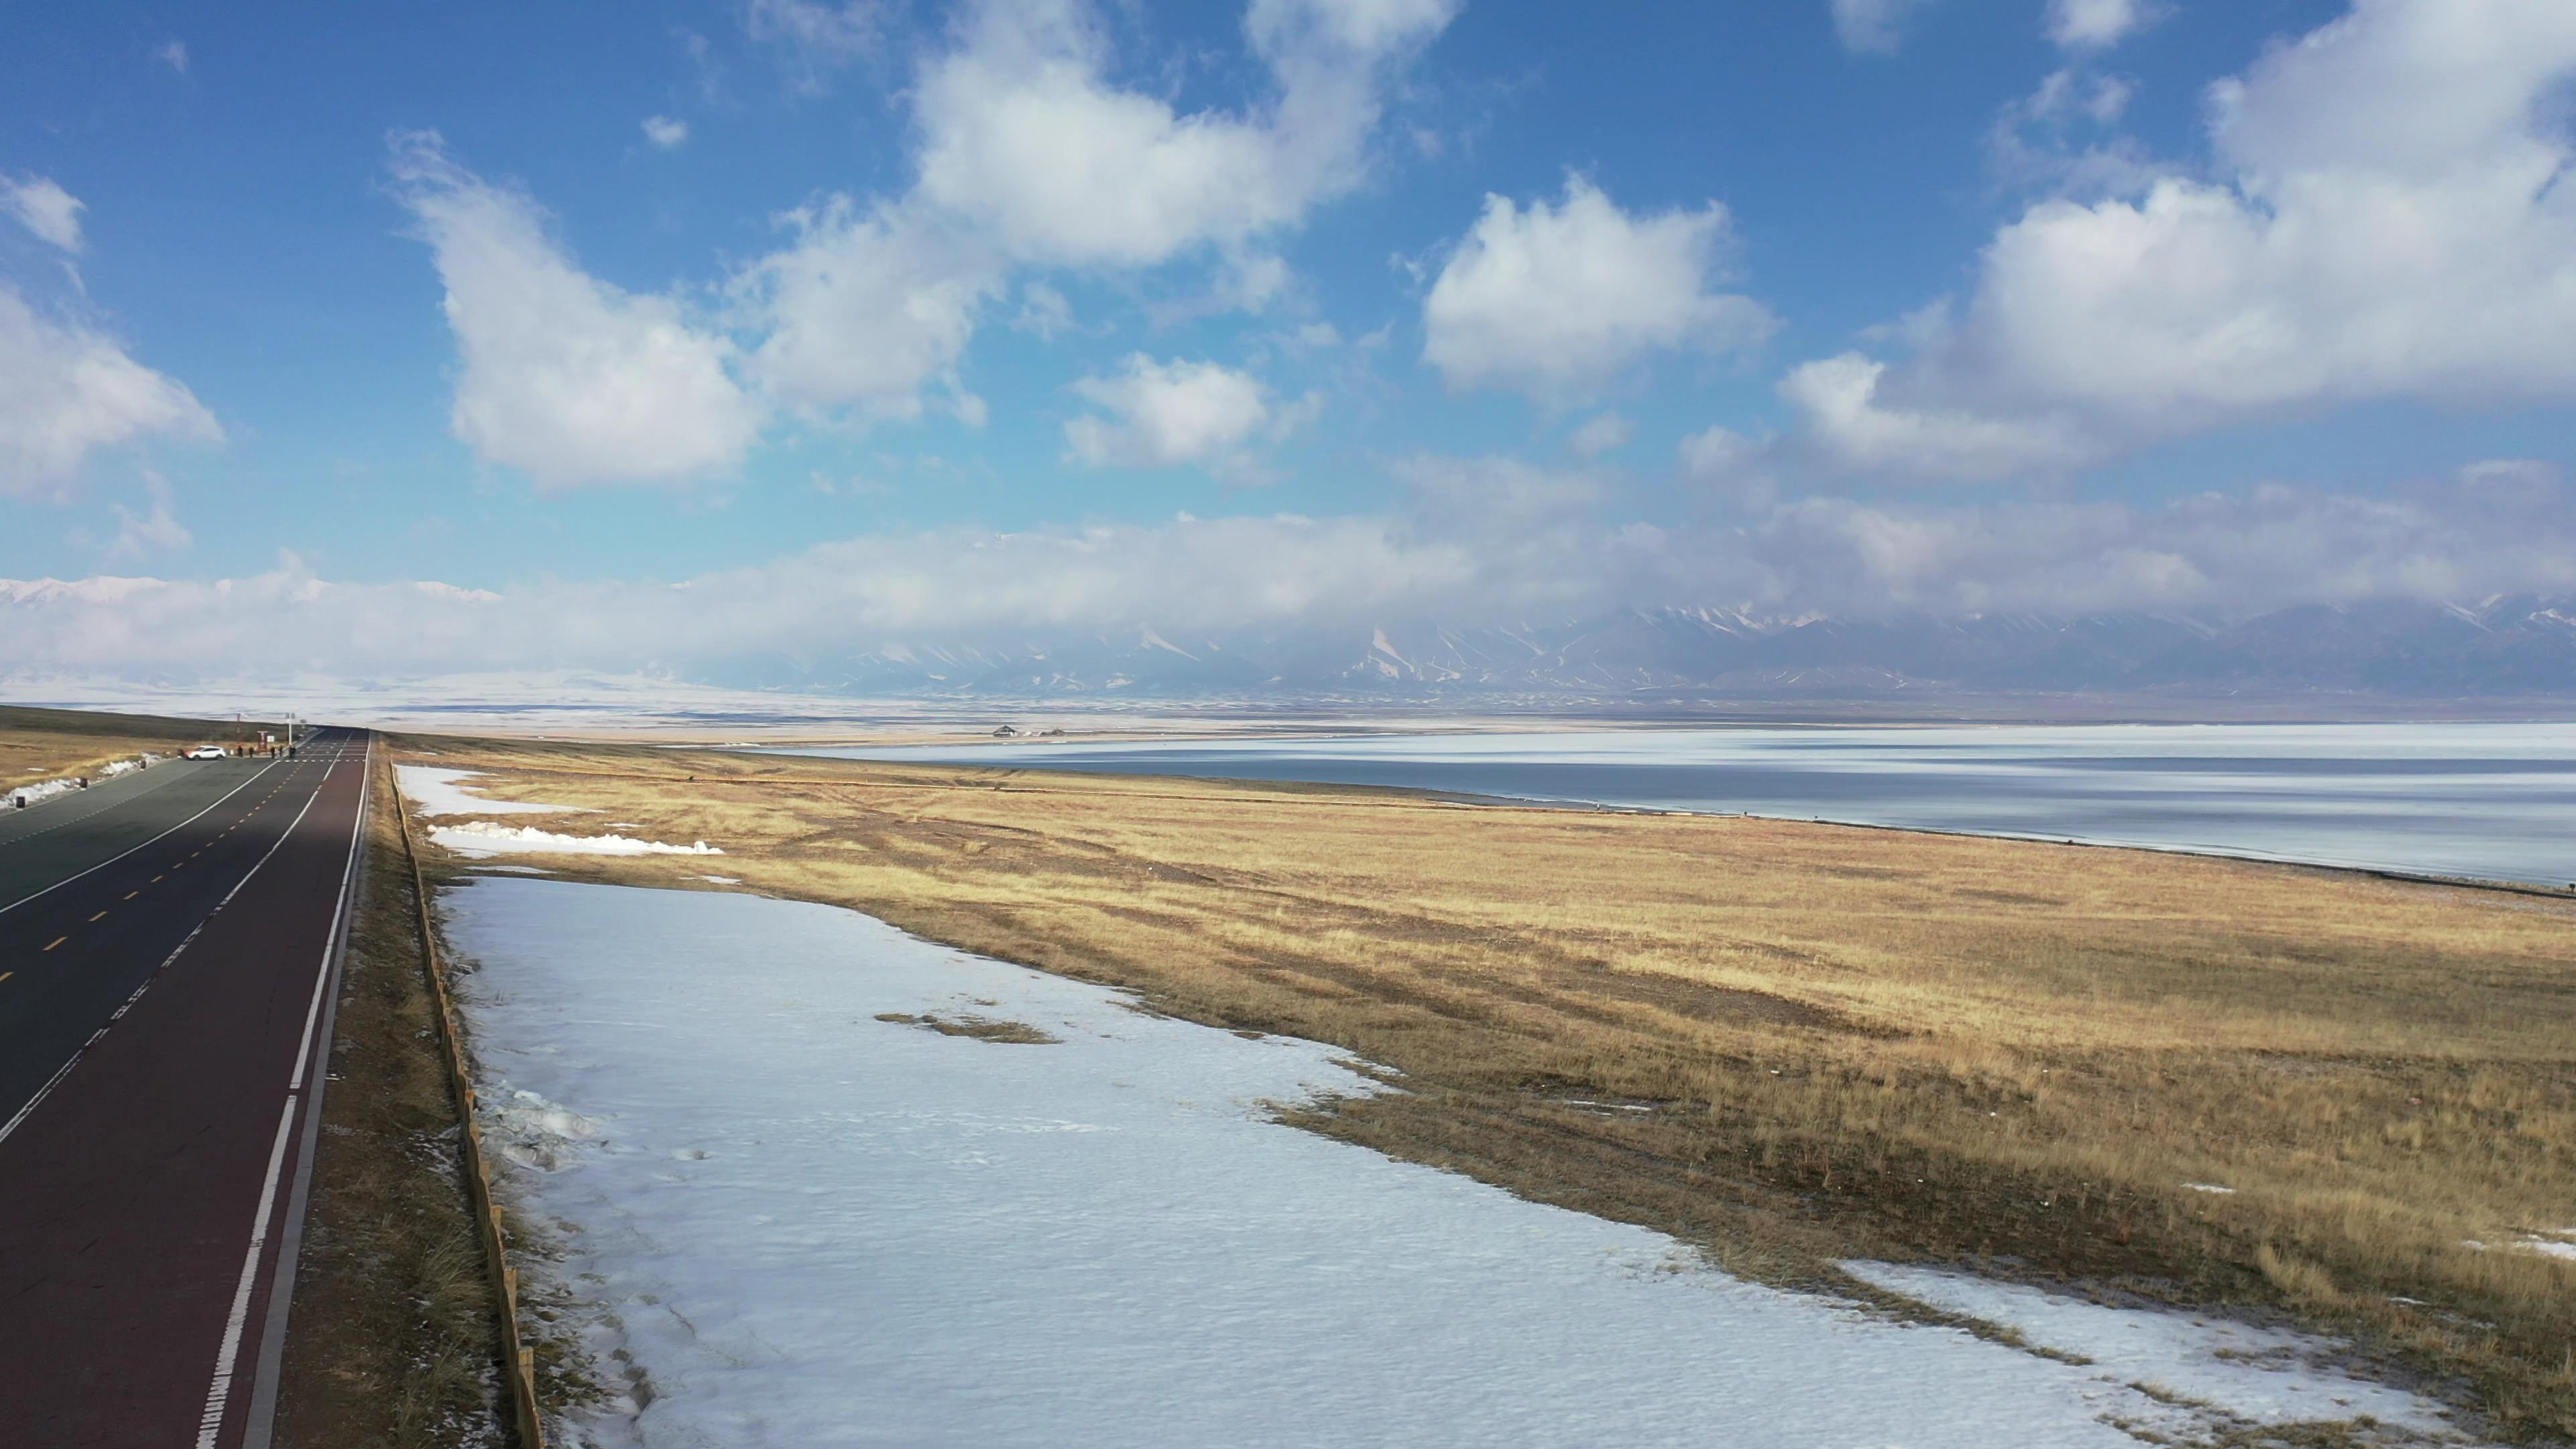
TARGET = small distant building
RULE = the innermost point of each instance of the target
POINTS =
(1004, 733)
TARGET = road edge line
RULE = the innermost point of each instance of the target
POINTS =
(266, 1370)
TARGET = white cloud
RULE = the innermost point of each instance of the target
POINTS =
(2272, 547)
(831, 599)
(2055, 139)
(1024, 133)
(569, 378)
(1873, 27)
(1482, 541)
(666, 133)
(44, 208)
(2099, 24)
(2394, 222)
(1730, 467)
(1838, 398)
(818, 37)
(1601, 433)
(174, 55)
(157, 530)
(868, 308)
(1556, 301)
(1163, 414)
(1503, 501)
(1043, 311)
(67, 389)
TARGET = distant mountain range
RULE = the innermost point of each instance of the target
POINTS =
(2501, 649)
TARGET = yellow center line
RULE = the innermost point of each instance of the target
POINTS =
(58, 940)
(101, 916)
(5, 975)
(156, 880)
(129, 895)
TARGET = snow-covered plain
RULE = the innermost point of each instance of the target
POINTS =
(789, 1222)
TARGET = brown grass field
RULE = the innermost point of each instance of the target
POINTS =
(37, 745)
(1843, 1042)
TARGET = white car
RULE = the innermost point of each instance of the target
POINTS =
(206, 752)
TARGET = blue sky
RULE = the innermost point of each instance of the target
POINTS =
(1520, 306)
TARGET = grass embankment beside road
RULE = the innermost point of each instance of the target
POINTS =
(37, 745)
(393, 1341)
(1793, 1043)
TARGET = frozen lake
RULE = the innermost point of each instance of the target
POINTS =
(2496, 801)
(785, 1220)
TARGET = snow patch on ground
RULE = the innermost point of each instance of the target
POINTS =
(786, 1222)
(2267, 1375)
(482, 837)
(2208, 1187)
(722, 879)
(45, 790)
(436, 790)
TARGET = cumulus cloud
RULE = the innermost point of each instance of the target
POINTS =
(665, 133)
(870, 306)
(68, 389)
(2390, 220)
(1161, 414)
(153, 531)
(566, 377)
(1730, 467)
(173, 54)
(1024, 132)
(1839, 399)
(2099, 24)
(1557, 301)
(1601, 433)
(1873, 27)
(43, 208)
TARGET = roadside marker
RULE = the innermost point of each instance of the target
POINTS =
(58, 940)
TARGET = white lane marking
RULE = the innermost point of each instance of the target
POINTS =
(331, 939)
(113, 859)
(221, 1392)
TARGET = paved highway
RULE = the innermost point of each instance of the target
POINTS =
(167, 941)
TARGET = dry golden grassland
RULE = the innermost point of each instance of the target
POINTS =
(1793, 1043)
(37, 745)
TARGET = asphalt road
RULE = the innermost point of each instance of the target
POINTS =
(166, 941)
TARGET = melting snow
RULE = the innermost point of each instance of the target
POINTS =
(786, 1222)
(482, 837)
(439, 791)
(2267, 1375)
